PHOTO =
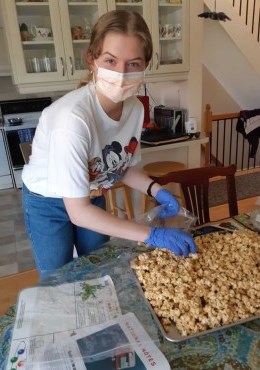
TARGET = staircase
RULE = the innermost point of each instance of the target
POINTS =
(232, 51)
(244, 27)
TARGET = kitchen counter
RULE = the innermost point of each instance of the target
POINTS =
(187, 152)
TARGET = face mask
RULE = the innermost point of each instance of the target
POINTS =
(118, 86)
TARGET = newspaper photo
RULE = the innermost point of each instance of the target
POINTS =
(121, 343)
(46, 314)
(79, 326)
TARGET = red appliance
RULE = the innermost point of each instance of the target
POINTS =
(145, 101)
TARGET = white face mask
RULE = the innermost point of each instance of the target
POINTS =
(118, 86)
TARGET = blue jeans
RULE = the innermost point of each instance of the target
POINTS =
(52, 234)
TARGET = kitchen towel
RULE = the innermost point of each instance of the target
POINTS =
(26, 135)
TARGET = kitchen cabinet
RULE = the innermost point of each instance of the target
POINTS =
(48, 39)
(4, 61)
(168, 21)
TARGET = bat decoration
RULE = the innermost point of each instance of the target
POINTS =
(216, 16)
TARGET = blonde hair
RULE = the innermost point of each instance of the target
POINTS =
(121, 21)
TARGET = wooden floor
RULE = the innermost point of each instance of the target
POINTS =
(11, 285)
(244, 206)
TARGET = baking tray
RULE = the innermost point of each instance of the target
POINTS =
(173, 334)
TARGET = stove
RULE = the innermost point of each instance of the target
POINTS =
(22, 121)
(19, 121)
(22, 113)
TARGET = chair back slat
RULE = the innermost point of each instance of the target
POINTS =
(194, 185)
(232, 196)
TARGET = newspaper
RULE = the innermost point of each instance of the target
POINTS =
(79, 326)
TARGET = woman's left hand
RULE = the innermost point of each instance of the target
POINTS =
(171, 204)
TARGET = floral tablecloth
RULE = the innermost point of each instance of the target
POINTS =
(237, 347)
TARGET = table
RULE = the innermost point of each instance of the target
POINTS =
(234, 348)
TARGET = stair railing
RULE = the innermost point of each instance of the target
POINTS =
(226, 145)
(249, 11)
(244, 27)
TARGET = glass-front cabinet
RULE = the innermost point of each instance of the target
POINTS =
(168, 21)
(48, 39)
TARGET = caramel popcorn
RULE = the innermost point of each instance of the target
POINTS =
(220, 285)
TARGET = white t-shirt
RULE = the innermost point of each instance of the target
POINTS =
(77, 148)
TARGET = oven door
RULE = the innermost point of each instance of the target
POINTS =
(14, 138)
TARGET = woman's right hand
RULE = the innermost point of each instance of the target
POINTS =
(177, 241)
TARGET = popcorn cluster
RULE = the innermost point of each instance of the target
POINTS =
(220, 285)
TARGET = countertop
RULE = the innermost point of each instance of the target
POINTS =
(203, 139)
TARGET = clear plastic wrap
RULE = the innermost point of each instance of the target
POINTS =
(184, 220)
(255, 218)
(63, 325)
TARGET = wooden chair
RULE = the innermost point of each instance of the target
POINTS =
(11, 285)
(159, 169)
(194, 184)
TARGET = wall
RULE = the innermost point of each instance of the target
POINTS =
(173, 94)
(230, 68)
(195, 75)
(8, 91)
(4, 58)
(215, 94)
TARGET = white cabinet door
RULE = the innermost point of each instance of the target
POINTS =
(139, 6)
(168, 21)
(35, 41)
(4, 60)
(77, 21)
(170, 25)
(46, 52)
(48, 39)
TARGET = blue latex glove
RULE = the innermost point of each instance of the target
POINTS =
(171, 204)
(177, 241)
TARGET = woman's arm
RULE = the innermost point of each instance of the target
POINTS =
(82, 213)
(137, 179)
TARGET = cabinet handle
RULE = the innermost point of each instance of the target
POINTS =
(157, 56)
(62, 64)
(71, 66)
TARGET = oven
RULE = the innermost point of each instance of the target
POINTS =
(20, 119)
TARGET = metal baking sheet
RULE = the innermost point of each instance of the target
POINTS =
(173, 334)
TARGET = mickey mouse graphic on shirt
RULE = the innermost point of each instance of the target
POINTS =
(129, 150)
(114, 164)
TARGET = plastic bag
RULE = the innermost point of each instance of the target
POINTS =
(184, 220)
(255, 218)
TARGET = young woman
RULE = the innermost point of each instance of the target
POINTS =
(84, 143)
